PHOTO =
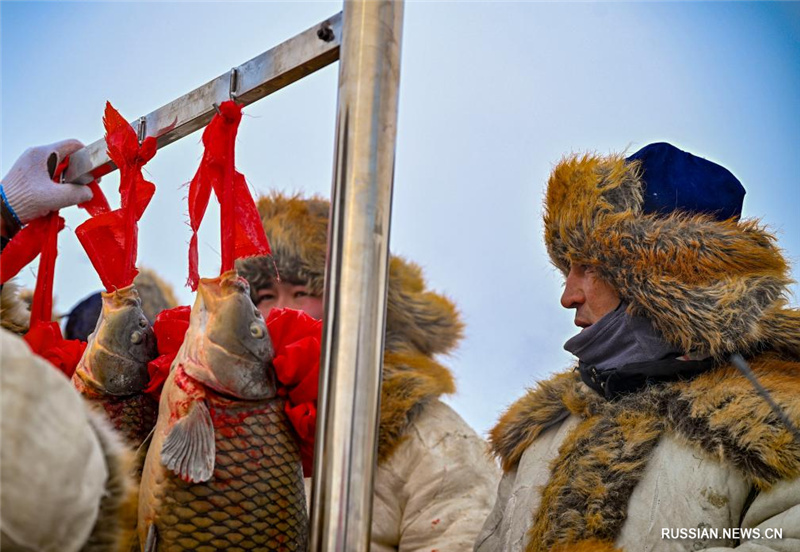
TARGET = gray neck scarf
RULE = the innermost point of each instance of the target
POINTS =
(618, 339)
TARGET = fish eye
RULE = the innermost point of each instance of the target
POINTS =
(256, 330)
(143, 322)
(136, 337)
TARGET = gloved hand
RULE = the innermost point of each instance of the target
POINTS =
(29, 189)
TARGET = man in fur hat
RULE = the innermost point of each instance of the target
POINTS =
(655, 441)
(434, 484)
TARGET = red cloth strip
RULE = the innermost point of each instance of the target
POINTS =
(241, 232)
(111, 238)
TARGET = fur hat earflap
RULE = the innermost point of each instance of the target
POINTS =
(709, 282)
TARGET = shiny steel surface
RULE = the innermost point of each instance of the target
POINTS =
(355, 298)
(266, 73)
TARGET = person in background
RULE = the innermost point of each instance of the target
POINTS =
(65, 479)
(655, 441)
(434, 483)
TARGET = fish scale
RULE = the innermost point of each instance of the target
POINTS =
(255, 500)
(132, 417)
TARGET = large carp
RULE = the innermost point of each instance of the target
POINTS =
(223, 471)
(112, 374)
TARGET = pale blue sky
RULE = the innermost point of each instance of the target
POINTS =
(492, 95)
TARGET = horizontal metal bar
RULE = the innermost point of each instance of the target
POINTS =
(266, 73)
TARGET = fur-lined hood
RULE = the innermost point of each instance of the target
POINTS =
(420, 323)
(718, 414)
(709, 286)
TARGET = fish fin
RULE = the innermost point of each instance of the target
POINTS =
(151, 544)
(188, 448)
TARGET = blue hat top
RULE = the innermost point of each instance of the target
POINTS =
(675, 180)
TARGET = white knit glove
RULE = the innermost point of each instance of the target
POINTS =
(29, 189)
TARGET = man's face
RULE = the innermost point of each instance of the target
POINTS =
(280, 295)
(591, 297)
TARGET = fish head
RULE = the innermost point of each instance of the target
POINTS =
(228, 340)
(123, 343)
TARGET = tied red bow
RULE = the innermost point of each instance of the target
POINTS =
(242, 234)
(40, 236)
(110, 238)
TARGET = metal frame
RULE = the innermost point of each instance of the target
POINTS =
(356, 277)
(369, 33)
(266, 73)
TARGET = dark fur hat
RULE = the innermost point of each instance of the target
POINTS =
(710, 286)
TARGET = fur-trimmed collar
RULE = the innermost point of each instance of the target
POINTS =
(708, 286)
(410, 381)
(718, 414)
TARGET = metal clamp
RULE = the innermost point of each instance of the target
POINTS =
(234, 84)
(142, 134)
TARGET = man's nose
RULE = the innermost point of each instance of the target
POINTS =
(573, 296)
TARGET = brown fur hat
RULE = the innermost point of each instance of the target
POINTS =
(708, 286)
(417, 319)
(297, 229)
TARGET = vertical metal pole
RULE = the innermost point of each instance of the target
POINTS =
(357, 274)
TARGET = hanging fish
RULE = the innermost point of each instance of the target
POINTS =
(112, 374)
(223, 468)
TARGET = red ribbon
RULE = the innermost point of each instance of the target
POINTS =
(44, 336)
(242, 234)
(110, 238)
(45, 339)
(170, 328)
